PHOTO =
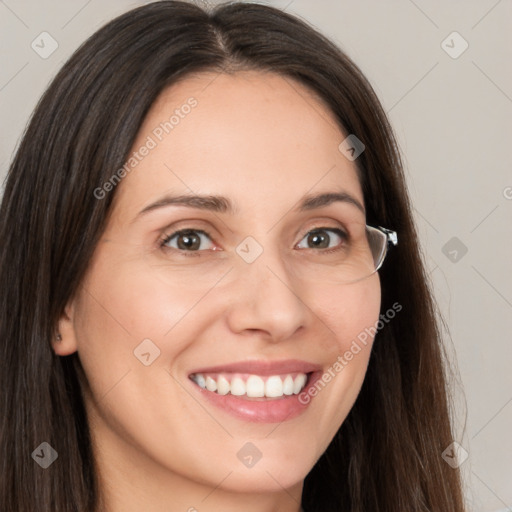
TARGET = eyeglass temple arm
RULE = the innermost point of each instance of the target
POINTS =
(391, 235)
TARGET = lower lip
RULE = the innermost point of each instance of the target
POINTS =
(271, 410)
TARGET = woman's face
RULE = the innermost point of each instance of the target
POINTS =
(233, 303)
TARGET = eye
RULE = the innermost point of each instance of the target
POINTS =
(186, 240)
(321, 238)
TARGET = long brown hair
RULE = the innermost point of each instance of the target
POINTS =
(387, 454)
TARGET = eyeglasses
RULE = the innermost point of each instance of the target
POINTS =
(352, 254)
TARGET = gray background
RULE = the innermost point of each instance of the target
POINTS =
(452, 118)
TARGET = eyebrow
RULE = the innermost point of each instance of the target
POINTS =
(221, 204)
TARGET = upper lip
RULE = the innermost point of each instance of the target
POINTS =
(262, 367)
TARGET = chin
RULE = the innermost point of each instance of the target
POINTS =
(272, 473)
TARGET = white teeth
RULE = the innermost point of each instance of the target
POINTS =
(254, 386)
(223, 386)
(288, 385)
(299, 383)
(201, 381)
(237, 386)
(211, 385)
(274, 387)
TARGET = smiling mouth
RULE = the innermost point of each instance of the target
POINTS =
(250, 386)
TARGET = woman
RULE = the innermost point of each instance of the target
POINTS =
(195, 312)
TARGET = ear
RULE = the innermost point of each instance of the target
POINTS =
(64, 340)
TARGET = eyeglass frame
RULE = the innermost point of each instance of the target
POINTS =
(391, 241)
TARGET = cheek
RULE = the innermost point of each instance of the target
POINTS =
(127, 300)
(351, 314)
(121, 306)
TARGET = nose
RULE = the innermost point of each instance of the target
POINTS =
(267, 301)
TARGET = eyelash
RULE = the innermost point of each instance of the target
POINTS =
(167, 238)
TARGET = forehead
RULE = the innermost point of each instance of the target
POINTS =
(258, 138)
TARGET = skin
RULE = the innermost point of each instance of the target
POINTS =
(263, 142)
